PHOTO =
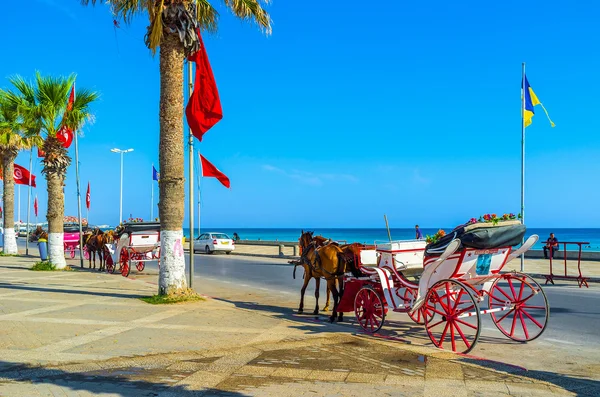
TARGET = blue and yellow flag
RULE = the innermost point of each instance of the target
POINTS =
(532, 100)
(155, 174)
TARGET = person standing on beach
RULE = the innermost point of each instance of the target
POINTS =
(419, 234)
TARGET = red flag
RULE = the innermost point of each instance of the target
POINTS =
(41, 153)
(22, 176)
(35, 206)
(65, 134)
(204, 107)
(87, 198)
(209, 170)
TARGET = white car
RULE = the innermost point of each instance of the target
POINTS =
(211, 242)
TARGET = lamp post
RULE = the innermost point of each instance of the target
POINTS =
(115, 150)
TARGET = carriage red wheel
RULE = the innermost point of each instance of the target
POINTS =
(410, 295)
(124, 261)
(86, 252)
(369, 309)
(110, 266)
(72, 253)
(454, 320)
(527, 311)
(139, 266)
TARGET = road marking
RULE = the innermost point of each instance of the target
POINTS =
(559, 341)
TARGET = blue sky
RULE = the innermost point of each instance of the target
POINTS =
(344, 113)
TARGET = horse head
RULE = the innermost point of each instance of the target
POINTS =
(305, 239)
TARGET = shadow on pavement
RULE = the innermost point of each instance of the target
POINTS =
(66, 291)
(120, 381)
(581, 387)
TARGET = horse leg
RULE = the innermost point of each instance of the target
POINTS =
(101, 267)
(90, 260)
(328, 296)
(341, 314)
(336, 296)
(307, 278)
(317, 288)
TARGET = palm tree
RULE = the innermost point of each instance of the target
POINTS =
(45, 104)
(173, 25)
(12, 140)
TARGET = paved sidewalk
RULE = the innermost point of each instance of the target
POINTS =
(78, 333)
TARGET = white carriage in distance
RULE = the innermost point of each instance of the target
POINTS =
(444, 286)
(136, 244)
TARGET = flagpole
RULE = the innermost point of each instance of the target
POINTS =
(19, 207)
(191, 183)
(78, 191)
(199, 179)
(152, 196)
(29, 201)
(523, 158)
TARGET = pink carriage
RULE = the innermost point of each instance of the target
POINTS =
(457, 275)
(71, 241)
(137, 243)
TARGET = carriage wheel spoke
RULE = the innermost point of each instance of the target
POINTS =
(458, 313)
(514, 323)
(443, 337)
(436, 311)
(466, 342)
(512, 289)
(531, 318)
(458, 320)
(523, 325)
(505, 315)
(436, 324)
(501, 290)
(460, 293)
(452, 336)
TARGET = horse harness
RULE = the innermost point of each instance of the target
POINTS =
(316, 267)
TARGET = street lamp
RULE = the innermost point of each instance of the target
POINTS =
(115, 150)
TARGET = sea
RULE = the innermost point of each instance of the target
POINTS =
(369, 236)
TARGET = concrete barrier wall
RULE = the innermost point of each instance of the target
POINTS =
(560, 255)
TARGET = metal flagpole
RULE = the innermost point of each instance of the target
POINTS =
(198, 177)
(523, 158)
(29, 201)
(19, 205)
(152, 197)
(191, 183)
(78, 192)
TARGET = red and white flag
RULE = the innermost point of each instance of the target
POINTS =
(35, 206)
(22, 176)
(204, 107)
(65, 134)
(88, 198)
(209, 170)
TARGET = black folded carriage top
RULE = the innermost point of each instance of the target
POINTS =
(480, 236)
(73, 228)
(141, 227)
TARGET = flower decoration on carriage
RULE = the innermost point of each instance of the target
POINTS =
(434, 239)
(134, 220)
(74, 220)
(494, 219)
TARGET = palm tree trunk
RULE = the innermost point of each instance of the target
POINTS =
(8, 169)
(56, 211)
(171, 206)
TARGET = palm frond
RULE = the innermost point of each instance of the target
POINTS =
(123, 9)
(253, 10)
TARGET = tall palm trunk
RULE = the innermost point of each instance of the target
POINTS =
(8, 169)
(56, 162)
(171, 205)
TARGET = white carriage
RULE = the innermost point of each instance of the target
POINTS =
(443, 285)
(137, 244)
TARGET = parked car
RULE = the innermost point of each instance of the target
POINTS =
(213, 241)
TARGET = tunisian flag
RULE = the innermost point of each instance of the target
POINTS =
(22, 176)
(87, 198)
(64, 134)
(209, 170)
(35, 206)
(204, 107)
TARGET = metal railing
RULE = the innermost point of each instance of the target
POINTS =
(581, 280)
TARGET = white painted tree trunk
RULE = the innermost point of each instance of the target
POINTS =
(10, 241)
(56, 250)
(171, 276)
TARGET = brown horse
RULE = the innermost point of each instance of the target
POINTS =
(93, 241)
(323, 262)
(308, 273)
